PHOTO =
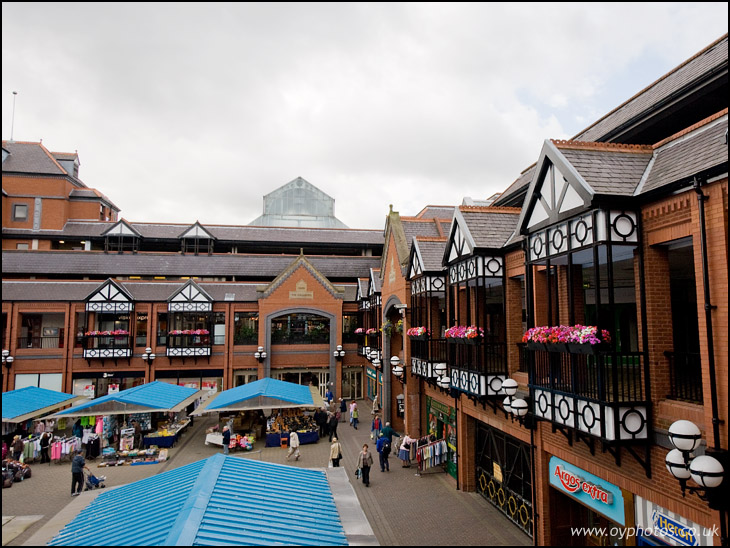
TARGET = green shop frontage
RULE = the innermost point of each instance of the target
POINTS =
(442, 425)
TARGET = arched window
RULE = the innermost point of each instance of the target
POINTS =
(300, 329)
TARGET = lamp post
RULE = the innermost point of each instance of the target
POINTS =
(260, 354)
(339, 353)
(148, 356)
(514, 408)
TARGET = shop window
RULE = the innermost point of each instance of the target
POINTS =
(219, 328)
(141, 330)
(350, 322)
(246, 328)
(22, 245)
(20, 212)
(49, 381)
(41, 331)
(162, 328)
(300, 329)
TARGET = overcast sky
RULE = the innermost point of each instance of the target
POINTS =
(195, 111)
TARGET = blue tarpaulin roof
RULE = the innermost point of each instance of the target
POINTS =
(146, 398)
(222, 500)
(262, 394)
(31, 401)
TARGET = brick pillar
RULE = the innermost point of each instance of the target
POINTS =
(513, 305)
(539, 297)
(465, 434)
(658, 316)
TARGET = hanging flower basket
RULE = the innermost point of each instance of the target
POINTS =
(465, 334)
(576, 339)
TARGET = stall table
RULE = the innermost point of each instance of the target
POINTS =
(274, 440)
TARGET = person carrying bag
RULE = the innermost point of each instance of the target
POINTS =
(335, 453)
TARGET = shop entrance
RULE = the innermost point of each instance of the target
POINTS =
(306, 377)
(504, 474)
(352, 384)
(572, 522)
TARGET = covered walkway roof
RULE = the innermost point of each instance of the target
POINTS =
(31, 402)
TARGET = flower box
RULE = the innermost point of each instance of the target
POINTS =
(418, 337)
(556, 347)
(531, 345)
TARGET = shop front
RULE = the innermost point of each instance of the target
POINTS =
(210, 380)
(657, 526)
(442, 425)
(318, 377)
(504, 474)
(96, 385)
(585, 510)
(375, 383)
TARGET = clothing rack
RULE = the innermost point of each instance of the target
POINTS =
(431, 456)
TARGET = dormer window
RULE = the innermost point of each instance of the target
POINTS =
(196, 239)
(121, 237)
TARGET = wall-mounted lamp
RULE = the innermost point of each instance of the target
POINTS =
(339, 353)
(397, 370)
(148, 356)
(260, 354)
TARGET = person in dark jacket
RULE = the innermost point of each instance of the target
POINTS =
(78, 464)
(226, 439)
(45, 442)
(320, 417)
(383, 448)
(332, 423)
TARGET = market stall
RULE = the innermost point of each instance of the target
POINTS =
(155, 405)
(286, 404)
(26, 415)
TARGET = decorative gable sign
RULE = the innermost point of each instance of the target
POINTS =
(301, 292)
(109, 298)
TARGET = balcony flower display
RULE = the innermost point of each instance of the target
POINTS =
(579, 338)
(463, 333)
(371, 331)
(418, 333)
(114, 333)
(189, 332)
(360, 331)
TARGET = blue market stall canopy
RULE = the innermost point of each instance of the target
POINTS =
(147, 398)
(263, 394)
(222, 500)
(31, 402)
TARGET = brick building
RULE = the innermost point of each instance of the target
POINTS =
(623, 227)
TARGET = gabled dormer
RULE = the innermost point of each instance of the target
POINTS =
(195, 239)
(121, 236)
(460, 244)
(190, 298)
(110, 298)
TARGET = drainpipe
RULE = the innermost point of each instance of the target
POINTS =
(701, 198)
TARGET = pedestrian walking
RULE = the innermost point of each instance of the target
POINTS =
(45, 443)
(137, 434)
(17, 447)
(353, 404)
(226, 439)
(383, 448)
(78, 465)
(375, 428)
(343, 409)
(388, 432)
(364, 462)
(376, 408)
(329, 396)
(332, 426)
(335, 453)
(355, 414)
(320, 418)
(293, 445)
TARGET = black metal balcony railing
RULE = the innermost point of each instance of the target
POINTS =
(482, 356)
(685, 376)
(610, 377)
(40, 342)
(601, 394)
(523, 363)
(433, 350)
(106, 341)
(299, 337)
(188, 341)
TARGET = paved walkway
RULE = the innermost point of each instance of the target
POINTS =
(402, 509)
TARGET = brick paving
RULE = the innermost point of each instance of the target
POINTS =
(402, 509)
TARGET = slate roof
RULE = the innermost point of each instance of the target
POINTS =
(490, 227)
(141, 291)
(414, 228)
(26, 157)
(432, 254)
(222, 500)
(614, 170)
(688, 155)
(709, 59)
(436, 212)
(263, 267)
(91, 229)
